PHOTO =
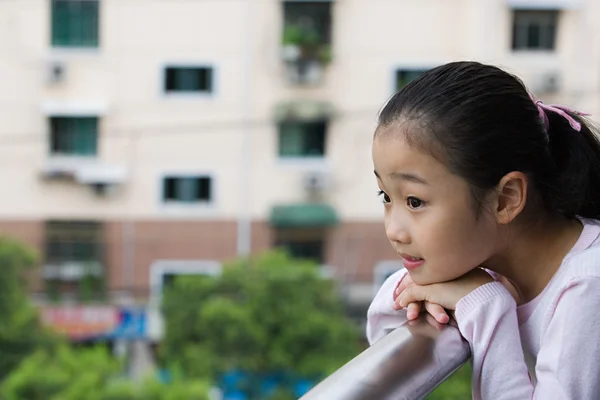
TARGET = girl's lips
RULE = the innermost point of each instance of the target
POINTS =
(411, 262)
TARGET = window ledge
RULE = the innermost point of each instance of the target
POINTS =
(176, 209)
(189, 95)
(75, 50)
(75, 108)
(545, 4)
(535, 52)
(304, 162)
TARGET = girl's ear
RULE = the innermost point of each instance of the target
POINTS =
(512, 197)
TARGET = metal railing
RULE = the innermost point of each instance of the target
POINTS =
(408, 363)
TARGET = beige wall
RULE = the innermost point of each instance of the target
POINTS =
(150, 134)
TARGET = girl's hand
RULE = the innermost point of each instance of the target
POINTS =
(414, 308)
(443, 295)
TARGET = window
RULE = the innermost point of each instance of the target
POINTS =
(302, 139)
(534, 29)
(75, 23)
(309, 18)
(188, 80)
(187, 189)
(404, 76)
(74, 254)
(73, 241)
(74, 136)
(302, 243)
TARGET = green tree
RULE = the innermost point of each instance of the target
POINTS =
(20, 330)
(65, 373)
(61, 374)
(263, 315)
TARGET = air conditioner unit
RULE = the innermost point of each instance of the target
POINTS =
(548, 82)
(316, 181)
(56, 72)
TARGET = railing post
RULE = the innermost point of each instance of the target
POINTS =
(408, 363)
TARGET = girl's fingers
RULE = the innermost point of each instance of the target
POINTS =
(438, 312)
(413, 310)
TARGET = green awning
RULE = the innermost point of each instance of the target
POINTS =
(303, 215)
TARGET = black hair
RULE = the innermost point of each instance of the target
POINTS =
(481, 122)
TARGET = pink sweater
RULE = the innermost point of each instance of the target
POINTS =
(548, 348)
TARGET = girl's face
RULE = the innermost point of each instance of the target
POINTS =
(431, 219)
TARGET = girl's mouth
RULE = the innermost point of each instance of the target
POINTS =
(411, 262)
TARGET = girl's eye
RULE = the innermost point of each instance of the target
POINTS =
(414, 203)
(384, 197)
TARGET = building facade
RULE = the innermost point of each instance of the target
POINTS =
(165, 136)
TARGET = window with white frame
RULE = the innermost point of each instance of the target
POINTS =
(187, 189)
(188, 79)
(534, 29)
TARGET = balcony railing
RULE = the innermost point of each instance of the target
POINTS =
(408, 363)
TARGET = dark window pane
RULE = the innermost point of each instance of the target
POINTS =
(314, 17)
(89, 24)
(170, 189)
(75, 23)
(170, 79)
(303, 243)
(404, 76)
(306, 250)
(315, 139)
(187, 189)
(533, 36)
(168, 280)
(179, 79)
(534, 29)
(302, 139)
(549, 36)
(74, 136)
(203, 185)
(73, 241)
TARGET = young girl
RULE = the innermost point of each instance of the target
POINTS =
(491, 199)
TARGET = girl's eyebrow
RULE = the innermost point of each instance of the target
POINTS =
(405, 177)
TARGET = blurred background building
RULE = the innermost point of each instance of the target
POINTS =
(145, 138)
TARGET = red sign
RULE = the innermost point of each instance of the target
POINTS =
(80, 322)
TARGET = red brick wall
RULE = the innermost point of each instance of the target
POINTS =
(353, 248)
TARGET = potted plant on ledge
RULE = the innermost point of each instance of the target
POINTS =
(305, 53)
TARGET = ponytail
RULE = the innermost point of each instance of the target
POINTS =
(573, 187)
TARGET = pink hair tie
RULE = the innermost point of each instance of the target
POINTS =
(560, 110)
